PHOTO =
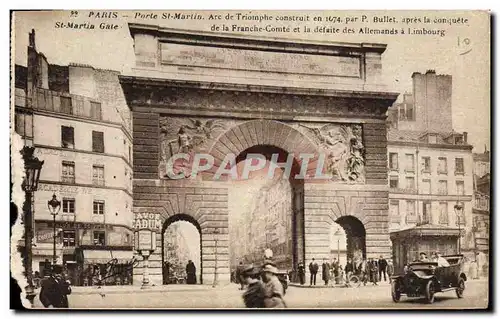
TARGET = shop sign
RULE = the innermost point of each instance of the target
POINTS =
(147, 220)
(79, 225)
(45, 236)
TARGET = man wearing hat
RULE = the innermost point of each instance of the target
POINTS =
(239, 272)
(254, 296)
(273, 289)
(302, 273)
(55, 289)
(423, 257)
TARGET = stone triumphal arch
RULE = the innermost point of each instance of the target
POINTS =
(222, 93)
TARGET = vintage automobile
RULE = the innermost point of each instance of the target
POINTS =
(283, 277)
(425, 279)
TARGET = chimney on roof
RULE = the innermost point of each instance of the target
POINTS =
(32, 39)
(430, 72)
(465, 137)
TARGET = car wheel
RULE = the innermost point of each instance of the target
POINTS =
(460, 288)
(396, 291)
(430, 290)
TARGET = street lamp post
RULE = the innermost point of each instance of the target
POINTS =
(216, 233)
(54, 207)
(33, 167)
(338, 234)
(458, 211)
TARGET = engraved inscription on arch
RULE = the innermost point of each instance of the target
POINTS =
(254, 60)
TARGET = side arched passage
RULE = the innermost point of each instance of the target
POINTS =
(203, 204)
(356, 236)
(169, 221)
(361, 212)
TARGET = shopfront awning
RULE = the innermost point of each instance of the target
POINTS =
(106, 256)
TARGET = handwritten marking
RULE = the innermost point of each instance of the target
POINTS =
(112, 270)
(465, 42)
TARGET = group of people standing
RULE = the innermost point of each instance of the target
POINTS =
(370, 270)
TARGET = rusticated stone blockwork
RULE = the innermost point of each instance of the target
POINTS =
(204, 204)
(375, 140)
(146, 145)
(326, 204)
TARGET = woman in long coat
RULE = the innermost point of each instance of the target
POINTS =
(191, 273)
(325, 272)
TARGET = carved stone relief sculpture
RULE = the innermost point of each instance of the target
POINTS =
(185, 135)
(344, 149)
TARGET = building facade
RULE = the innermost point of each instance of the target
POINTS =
(430, 165)
(481, 210)
(269, 227)
(77, 119)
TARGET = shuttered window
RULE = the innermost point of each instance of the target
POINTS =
(97, 142)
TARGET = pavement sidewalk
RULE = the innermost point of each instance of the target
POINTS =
(368, 284)
(322, 285)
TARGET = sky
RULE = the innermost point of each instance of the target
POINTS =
(470, 71)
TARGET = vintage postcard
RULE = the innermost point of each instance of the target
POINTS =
(251, 159)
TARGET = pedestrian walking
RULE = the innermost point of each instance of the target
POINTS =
(373, 271)
(335, 267)
(238, 276)
(382, 268)
(254, 296)
(341, 275)
(313, 269)
(273, 289)
(349, 268)
(55, 289)
(36, 280)
(363, 271)
(166, 272)
(390, 269)
(325, 272)
(191, 273)
(302, 273)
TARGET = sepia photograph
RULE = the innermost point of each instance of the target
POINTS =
(238, 159)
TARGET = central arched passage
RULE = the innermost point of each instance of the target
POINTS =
(266, 210)
(181, 243)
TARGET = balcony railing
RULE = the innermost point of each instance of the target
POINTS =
(65, 103)
(98, 181)
(68, 179)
